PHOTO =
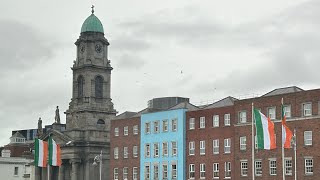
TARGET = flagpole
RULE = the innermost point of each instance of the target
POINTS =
(48, 171)
(282, 145)
(295, 154)
(48, 166)
(253, 142)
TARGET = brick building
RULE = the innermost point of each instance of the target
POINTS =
(218, 138)
(210, 138)
(125, 146)
(302, 111)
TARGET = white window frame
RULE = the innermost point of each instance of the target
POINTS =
(243, 117)
(202, 171)
(215, 144)
(135, 129)
(116, 131)
(307, 136)
(192, 147)
(165, 149)
(147, 175)
(227, 170)
(227, 118)
(202, 147)
(287, 111)
(288, 166)
(272, 113)
(147, 150)
(191, 123)
(174, 148)
(125, 173)
(147, 127)
(164, 171)
(135, 151)
(125, 152)
(307, 111)
(243, 143)
(308, 166)
(202, 122)
(244, 168)
(215, 169)
(227, 145)
(125, 131)
(174, 172)
(115, 174)
(135, 173)
(272, 167)
(165, 125)
(155, 149)
(156, 126)
(174, 125)
(156, 171)
(192, 171)
(116, 153)
(215, 121)
(258, 167)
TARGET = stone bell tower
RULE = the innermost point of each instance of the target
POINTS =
(91, 102)
(91, 108)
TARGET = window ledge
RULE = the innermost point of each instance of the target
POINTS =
(309, 174)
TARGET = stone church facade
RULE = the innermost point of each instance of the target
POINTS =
(89, 113)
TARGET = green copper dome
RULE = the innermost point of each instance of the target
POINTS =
(92, 24)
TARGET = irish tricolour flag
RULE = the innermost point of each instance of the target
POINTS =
(54, 153)
(286, 133)
(41, 153)
(265, 131)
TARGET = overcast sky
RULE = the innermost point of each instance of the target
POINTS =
(205, 50)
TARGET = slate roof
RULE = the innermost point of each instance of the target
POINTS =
(125, 115)
(146, 110)
(228, 101)
(284, 90)
(185, 105)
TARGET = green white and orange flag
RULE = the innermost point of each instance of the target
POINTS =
(264, 131)
(54, 153)
(286, 132)
(41, 153)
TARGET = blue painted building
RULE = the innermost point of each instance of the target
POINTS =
(163, 142)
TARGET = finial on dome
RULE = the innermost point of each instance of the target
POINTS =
(92, 7)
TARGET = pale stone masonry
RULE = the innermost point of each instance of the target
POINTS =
(90, 110)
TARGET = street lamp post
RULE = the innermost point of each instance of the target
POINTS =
(98, 159)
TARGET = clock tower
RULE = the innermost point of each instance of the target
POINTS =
(91, 109)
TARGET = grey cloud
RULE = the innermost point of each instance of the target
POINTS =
(22, 46)
(130, 43)
(186, 32)
(129, 61)
(289, 44)
(198, 31)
